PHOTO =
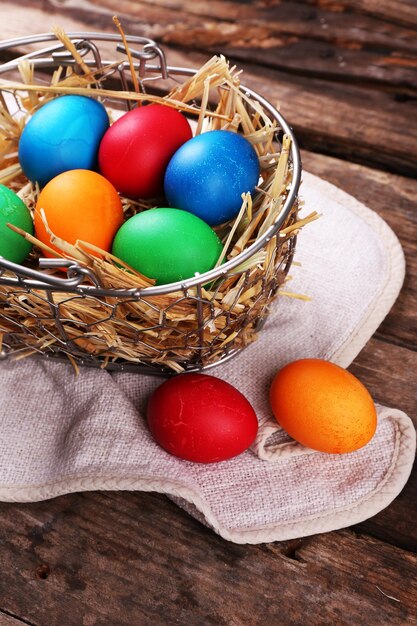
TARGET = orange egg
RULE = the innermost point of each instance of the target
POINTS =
(323, 406)
(79, 204)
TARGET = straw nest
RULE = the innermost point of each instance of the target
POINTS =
(177, 330)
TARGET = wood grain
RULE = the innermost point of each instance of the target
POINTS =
(279, 35)
(386, 370)
(355, 121)
(325, 21)
(10, 620)
(174, 571)
(288, 36)
(401, 12)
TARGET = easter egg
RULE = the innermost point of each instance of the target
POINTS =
(136, 149)
(167, 245)
(13, 210)
(208, 175)
(323, 406)
(79, 204)
(201, 418)
(64, 134)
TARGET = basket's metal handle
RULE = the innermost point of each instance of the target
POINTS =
(84, 42)
(83, 46)
(29, 277)
(82, 35)
(57, 52)
(150, 51)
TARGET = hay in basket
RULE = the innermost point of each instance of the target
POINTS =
(113, 318)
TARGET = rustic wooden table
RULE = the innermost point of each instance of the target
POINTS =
(345, 75)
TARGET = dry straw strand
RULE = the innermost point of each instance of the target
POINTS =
(66, 41)
(118, 25)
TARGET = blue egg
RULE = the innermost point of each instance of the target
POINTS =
(209, 173)
(62, 135)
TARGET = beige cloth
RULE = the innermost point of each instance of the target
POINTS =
(60, 433)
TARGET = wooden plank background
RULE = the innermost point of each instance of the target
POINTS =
(344, 75)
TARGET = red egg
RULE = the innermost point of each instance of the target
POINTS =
(136, 149)
(201, 418)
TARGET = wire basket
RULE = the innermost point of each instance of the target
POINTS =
(184, 326)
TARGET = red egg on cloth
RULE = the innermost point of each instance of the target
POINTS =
(201, 418)
(136, 149)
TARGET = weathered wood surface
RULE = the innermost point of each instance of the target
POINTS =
(344, 73)
(352, 94)
(97, 559)
(9, 620)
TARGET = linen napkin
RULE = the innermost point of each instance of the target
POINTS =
(61, 433)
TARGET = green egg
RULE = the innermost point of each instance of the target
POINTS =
(168, 245)
(14, 247)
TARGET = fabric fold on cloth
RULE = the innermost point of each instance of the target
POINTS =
(61, 433)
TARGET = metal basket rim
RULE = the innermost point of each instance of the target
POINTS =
(222, 270)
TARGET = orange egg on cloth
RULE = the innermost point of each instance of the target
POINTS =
(323, 406)
(79, 204)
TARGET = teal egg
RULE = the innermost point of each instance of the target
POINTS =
(13, 210)
(167, 245)
(64, 134)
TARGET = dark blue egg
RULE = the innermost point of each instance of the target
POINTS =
(209, 173)
(62, 135)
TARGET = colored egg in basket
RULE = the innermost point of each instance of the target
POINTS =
(64, 134)
(136, 149)
(78, 205)
(208, 175)
(13, 210)
(167, 245)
